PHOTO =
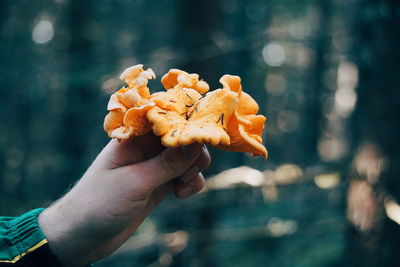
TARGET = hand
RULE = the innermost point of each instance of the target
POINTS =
(122, 186)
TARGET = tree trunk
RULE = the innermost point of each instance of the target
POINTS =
(373, 237)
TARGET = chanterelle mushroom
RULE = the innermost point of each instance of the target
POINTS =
(186, 112)
(128, 106)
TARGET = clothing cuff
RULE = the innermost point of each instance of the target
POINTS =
(27, 243)
(25, 232)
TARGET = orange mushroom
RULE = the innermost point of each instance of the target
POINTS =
(245, 127)
(138, 78)
(128, 106)
(186, 112)
(176, 77)
(183, 116)
(204, 121)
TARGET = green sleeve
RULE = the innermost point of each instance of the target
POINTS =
(20, 236)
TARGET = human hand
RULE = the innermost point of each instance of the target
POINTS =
(122, 186)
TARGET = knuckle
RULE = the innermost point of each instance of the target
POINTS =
(169, 162)
(190, 174)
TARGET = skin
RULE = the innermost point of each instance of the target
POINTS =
(118, 191)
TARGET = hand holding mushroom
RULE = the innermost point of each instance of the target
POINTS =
(123, 185)
(157, 151)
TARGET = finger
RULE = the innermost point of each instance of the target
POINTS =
(202, 162)
(159, 195)
(150, 144)
(204, 159)
(169, 164)
(192, 187)
(133, 150)
(189, 173)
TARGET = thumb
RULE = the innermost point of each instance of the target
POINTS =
(170, 163)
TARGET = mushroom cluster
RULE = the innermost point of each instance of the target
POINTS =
(187, 112)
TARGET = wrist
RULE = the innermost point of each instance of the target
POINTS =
(63, 235)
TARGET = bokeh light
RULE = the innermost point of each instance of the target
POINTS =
(43, 32)
(274, 54)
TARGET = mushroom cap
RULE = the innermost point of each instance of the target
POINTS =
(175, 77)
(245, 127)
(203, 122)
(128, 106)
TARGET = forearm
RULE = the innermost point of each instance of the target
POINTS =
(89, 222)
(63, 230)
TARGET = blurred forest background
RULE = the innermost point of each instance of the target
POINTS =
(325, 73)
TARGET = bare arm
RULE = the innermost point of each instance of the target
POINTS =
(122, 186)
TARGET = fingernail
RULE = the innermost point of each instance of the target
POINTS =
(191, 150)
(186, 191)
